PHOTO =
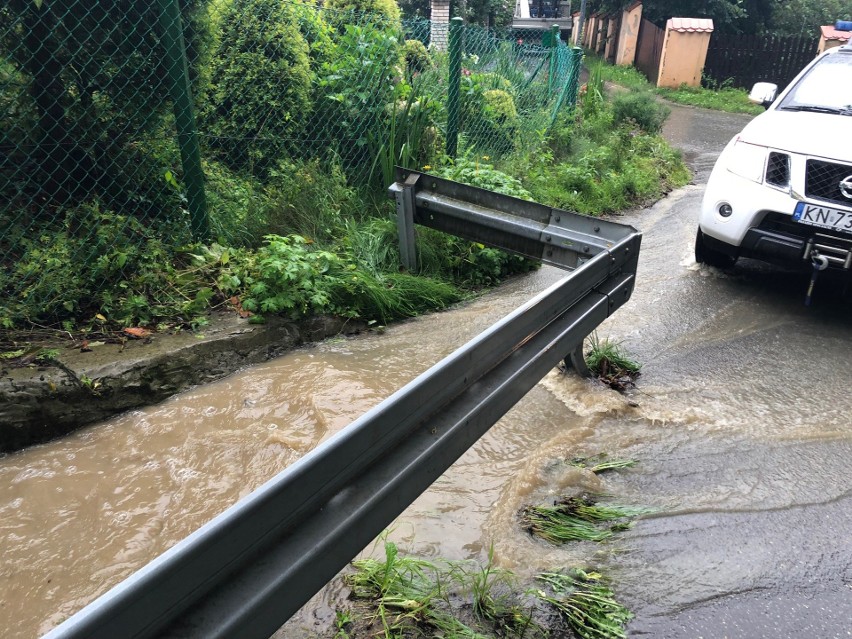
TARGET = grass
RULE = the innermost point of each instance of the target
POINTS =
(720, 98)
(410, 597)
(610, 363)
(586, 603)
(728, 99)
(578, 518)
(601, 463)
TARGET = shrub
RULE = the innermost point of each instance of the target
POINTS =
(484, 176)
(96, 262)
(355, 89)
(642, 108)
(417, 58)
(261, 84)
(387, 9)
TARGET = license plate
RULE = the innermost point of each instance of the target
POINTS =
(823, 217)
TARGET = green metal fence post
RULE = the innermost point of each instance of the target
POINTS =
(187, 135)
(568, 95)
(574, 74)
(454, 86)
(554, 52)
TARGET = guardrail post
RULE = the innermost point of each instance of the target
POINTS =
(187, 135)
(405, 223)
(454, 86)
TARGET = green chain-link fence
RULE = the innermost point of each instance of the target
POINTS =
(129, 129)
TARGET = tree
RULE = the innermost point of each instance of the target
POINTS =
(805, 17)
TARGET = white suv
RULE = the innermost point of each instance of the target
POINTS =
(781, 191)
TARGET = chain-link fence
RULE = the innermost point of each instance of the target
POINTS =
(129, 129)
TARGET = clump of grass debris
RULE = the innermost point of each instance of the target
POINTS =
(586, 603)
(579, 518)
(417, 597)
(405, 597)
(601, 463)
(609, 362)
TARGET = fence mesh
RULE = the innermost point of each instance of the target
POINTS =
(129, 129)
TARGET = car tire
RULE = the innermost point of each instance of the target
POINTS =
(710, 256)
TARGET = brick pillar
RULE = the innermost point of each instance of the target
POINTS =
(440, 24)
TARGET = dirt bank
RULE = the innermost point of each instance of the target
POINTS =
(40, 403)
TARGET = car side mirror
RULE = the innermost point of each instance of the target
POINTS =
(763, 93)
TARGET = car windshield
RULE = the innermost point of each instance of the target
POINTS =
(827, 86)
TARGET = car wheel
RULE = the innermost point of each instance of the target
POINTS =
(706, 255)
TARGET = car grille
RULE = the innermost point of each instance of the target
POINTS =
(778, 169)
(822, 181)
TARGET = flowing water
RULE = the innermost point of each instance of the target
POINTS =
(741, 433)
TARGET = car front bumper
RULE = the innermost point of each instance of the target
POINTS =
(761, 225)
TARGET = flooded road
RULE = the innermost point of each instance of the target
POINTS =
(741, 433)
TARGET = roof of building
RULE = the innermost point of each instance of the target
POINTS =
(690, 25)
(830, 33)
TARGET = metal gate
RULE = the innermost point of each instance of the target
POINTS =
(649, 50)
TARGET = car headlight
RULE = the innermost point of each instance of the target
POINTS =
(747, 160)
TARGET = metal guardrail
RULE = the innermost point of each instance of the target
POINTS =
(248, 570)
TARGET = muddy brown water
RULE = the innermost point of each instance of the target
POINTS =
(742, 436)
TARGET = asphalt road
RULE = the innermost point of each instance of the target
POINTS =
(749, 464)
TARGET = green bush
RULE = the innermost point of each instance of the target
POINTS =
(261, 84)
(642, 108)
(484, 176)
(386, 9)
(355, 89)
(499, 120)
(417, 58)
(97, 262)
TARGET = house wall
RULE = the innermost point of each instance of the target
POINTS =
(440, 24)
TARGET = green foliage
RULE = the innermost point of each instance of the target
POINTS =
(711, 95)
(416, 597)
(608, 359)
(290, 276)
(602, 166)
(417, 58)
(586, 603)
(489, 115)
(355, 88)
(485, 176)
(410, 139)
(498, 124)
(626, 76)
(112, 265)
(261, 80)
(386, 9)
(310, 198)
(578, 518)
(86, 78)
(640, 108)
(805, 17)
(721, 98)
(286, 277)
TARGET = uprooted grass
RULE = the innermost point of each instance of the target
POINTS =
(609, 362)
(601, 463)
(415, 597)
(578, 518)
(587, 603)
(405, 597)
